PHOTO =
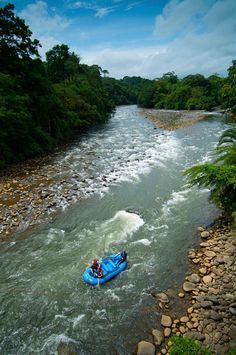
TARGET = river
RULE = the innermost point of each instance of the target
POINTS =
(126, 163)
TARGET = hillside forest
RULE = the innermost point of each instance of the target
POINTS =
(43, 103)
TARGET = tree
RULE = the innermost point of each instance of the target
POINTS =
(16, 45)
(220, 176)
(61, 63)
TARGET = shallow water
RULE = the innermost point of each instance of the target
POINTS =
(124, 164)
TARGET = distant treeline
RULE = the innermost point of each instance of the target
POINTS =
(190, 93)
(194, 92)
(43, 103)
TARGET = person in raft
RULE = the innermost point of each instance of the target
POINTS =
(96, 268)
(123, 255)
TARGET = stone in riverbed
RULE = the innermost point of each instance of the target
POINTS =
(207, 279)
(162, 297)
(195, 335)
(166, 321)
(167, 332)
(184, 319)
(205, 234)
(194, 278)
(188, 286)
(181, 294)
(145, 348)
(157, 336)
(210, 254)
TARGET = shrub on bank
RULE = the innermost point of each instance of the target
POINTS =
(186, 346)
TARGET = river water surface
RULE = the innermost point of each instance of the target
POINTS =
(124, 164)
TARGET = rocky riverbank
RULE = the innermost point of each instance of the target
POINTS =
(171, 119)
(205, 308)
(33, 192)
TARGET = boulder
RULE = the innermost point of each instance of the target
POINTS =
(207, 279)
(162, 297)
(195, 335)
(205, 234)
(145, 348)
(184, 319)
(157, 337)
(188, 286)
(200, 229)
(210, 254)
(167, 332)
(166, 321)
(194, 278)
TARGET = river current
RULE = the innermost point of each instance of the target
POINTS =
(126, 163)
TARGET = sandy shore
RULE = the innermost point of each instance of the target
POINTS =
(205, 307)
(171, 119)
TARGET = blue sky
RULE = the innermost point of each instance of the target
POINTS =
(146, 38)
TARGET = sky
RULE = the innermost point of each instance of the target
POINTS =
(138, 38)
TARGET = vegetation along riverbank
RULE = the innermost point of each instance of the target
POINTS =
(210, 287)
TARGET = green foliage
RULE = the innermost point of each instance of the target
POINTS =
(43, 104)
(186, 346)
(194, 92)
(220, 176)
(124, 91)
(228, 91)
(232, 351)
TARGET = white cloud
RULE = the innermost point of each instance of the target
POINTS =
(37, 16)
(45, 26)
(103, 11)
(201, 39)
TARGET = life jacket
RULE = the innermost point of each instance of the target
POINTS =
(100, 271)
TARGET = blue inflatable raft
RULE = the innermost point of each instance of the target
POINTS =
(111, 266)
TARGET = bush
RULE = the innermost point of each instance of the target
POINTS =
(186, 346)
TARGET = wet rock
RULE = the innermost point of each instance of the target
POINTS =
(145, 348)
(188, 286)
(181, 294)
(157, 337)
(166, 321)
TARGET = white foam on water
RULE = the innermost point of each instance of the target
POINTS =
(175, 199)
(53, 234)
(77, 320)
(56, 339)
(112, 295)
(145, 242)
(119, 227)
